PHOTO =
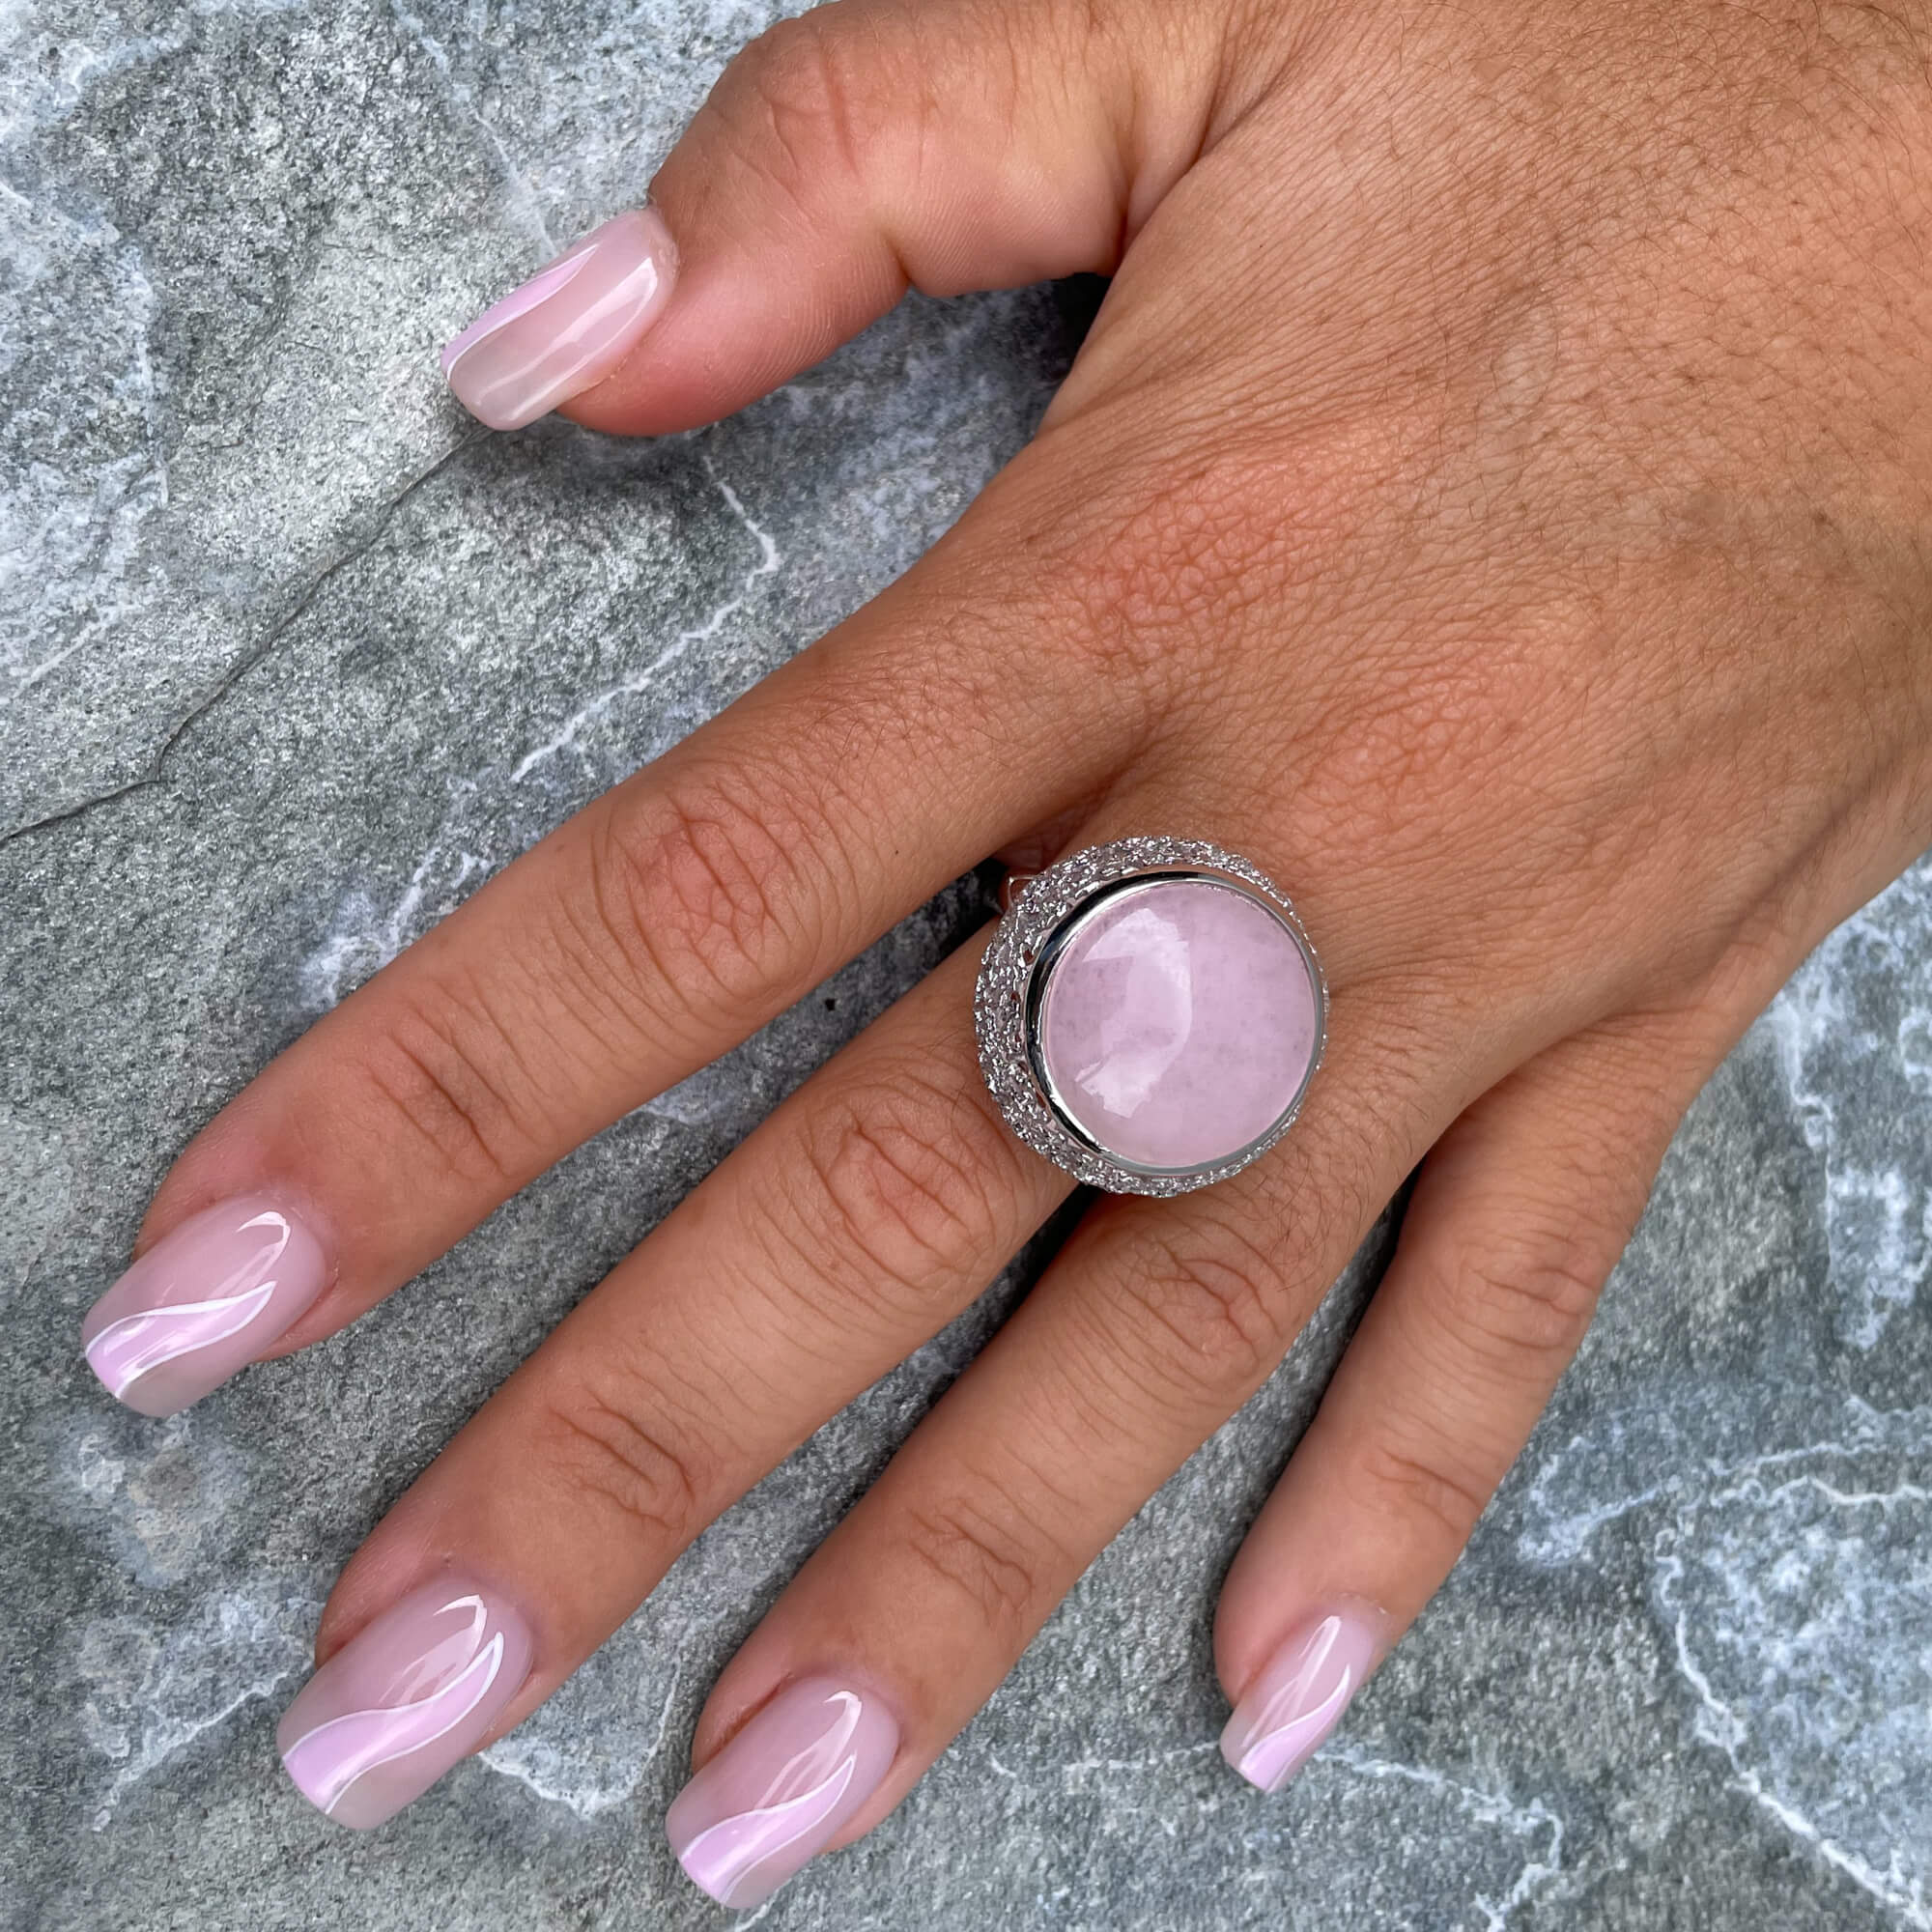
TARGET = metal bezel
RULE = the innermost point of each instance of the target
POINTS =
(1012, 975)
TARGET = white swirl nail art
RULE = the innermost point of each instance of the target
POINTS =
(737, 1854)
(205, 1300)
(138, 1344)
(1286, 1727)
(1299, 1698)
(415, 1691)
(123, 1352)
(327, 1761)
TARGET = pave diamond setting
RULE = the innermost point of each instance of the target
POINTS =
(1007, 997)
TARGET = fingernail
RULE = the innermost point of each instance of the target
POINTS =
(771, 1799)
(202, 1302)
(568, 327)
(1300, 1695)
(401, 1702)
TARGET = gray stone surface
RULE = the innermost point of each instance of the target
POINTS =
(292, 658)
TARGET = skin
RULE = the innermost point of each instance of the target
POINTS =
(1493, 496)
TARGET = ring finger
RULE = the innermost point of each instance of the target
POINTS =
(1155, 1322)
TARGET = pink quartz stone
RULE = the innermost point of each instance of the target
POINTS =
(1179, 1023)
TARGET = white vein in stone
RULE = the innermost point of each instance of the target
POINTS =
(1485, 1807)
(636, 681)
(1852, 1032)
(152, 1696)
(1720, 1724)
(558, 1772)
(1796, 1590)
(515, 177)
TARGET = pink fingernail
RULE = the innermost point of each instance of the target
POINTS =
(401, 1702)
(202, 1302)
(772, 1798)
(568, 327)
(1300, 1695)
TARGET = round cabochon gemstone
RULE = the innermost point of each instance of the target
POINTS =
(1177, 1022)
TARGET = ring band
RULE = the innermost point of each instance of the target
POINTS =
(1149, 1015)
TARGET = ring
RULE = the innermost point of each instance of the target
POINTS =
(1149, 1015)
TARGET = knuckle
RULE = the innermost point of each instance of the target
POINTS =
(700, 891)
(1437, 719)
(905, 1179)
(1174, 551)
(1520, 1306)
(1215, 1311)
(978, 1553)
(445, 1074)
(1408, 1486)
(800, 100)
(602, 1449)
(1177, 556)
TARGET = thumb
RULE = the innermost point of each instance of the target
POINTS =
(865, 147)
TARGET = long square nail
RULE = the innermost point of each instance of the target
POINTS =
(780, 1790)
(404, 1700)
(566, 328)
(203, 1302)
(1300, 1695)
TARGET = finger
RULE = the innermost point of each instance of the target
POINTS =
(648, 935)
(843, 156)
(1156, 1320)
(858, 1219)
(1517, 1220)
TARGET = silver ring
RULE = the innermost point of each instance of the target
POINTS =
(1149, 1015)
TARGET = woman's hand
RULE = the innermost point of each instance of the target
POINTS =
(1494, 499)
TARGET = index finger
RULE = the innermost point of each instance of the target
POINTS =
(646, 935)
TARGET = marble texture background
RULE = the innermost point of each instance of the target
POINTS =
(292, 657)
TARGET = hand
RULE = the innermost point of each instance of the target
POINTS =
(1492, 497)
